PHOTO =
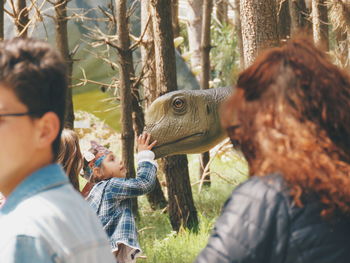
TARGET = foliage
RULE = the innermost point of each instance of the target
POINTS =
(224, 57)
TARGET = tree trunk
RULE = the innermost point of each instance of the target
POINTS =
(205, 76)
(194, 28)
(175, 17)
(2, 19)
(63, 46)
(238, 29)
(298, 16)
(320, 23)
(221, 11)
(21, 18)
(259, 27)
(155, 198)
(283, 19)
(147, 52)
(125, 56)
(181, 206)
(348, 45)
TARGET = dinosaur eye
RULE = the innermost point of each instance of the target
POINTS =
(179, 105)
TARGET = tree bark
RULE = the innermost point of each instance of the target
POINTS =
(298, 17)
(283, 19)
(221, 11)
(155, 198)
(147, 53)
(194, 28)
(181, 206)
(2, 19)
(238, 29)
(205, 76)
(320, 24)
(259, 27)
(182, 211)
(21, 18)
(125, 56)
(175, 17)
(62, 43)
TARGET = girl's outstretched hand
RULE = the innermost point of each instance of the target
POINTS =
(143, 142)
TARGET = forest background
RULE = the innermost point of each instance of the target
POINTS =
(121, 55)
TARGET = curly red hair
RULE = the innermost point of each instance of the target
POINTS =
(293, 110)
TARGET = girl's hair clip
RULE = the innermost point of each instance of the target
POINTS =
(88, 156)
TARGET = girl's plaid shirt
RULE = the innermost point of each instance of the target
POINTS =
(111, 200)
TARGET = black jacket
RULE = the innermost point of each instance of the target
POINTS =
(260, 223)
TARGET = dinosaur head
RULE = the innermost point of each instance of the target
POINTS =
(185, 122)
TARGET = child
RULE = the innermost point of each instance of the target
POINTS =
(111, 196)
(70, 157)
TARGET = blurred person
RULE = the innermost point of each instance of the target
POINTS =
(70, 157)
(2, 199)
(43, 218)
(290, 115)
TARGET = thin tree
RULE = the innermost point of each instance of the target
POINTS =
(259, 27)
(155, 198)
(62, 43)
(147, 52)
(125, 85)
(238, 30)
(194, 29)
(175, 17)
(299, 16)
(320, 23)
(339, 14)
(2, 3)
(182, 211)
(283, 19)
(21, 18)
(221, 8)
(205, 77)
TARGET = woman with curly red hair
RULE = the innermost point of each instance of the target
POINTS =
(290, 113)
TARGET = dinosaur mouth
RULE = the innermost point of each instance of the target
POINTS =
(198, 134)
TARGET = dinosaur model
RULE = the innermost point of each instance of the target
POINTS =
(186, 121)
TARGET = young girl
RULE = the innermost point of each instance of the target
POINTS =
(111, 195)
(70, 156)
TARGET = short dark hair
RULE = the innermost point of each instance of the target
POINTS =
(37, 75)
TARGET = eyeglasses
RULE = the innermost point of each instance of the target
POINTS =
(2, 115)
(15, 114)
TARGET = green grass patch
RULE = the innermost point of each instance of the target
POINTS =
(162, 245)
(102, 105)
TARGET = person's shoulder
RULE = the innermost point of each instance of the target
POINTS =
(263, 187)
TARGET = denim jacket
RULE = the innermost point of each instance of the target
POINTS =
(45, 220)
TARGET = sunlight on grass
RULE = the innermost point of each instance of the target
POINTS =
(100, 104)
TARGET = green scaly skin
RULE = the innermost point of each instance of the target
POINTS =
(186, 121)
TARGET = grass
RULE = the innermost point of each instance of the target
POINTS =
(100, 104)
(162, 245)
